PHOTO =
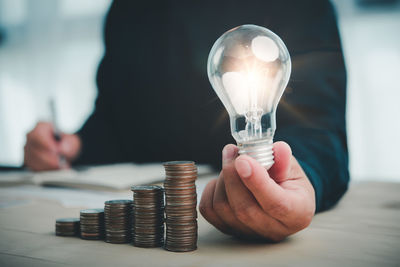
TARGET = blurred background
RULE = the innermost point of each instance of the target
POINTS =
(50, 49)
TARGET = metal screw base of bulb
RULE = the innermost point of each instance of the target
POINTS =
(260, 150)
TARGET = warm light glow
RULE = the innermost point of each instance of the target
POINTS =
(234, 83)
(248, 89)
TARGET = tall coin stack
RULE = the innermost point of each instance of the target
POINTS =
(117, 217)
(67, 227)
(148, 216)
(180, 208)
(92, 224)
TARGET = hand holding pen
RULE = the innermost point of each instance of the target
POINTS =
(47, 148)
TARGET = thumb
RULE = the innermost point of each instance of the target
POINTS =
(282, 157)
(267, 192)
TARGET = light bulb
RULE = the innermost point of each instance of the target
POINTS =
(249, 67)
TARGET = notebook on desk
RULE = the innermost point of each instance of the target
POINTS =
(109, 177)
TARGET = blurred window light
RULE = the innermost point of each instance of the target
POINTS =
(13, 12)
(75, 8)
(51, 49)
(376, 3)
(370, 43)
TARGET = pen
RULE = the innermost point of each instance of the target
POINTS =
(56, 132)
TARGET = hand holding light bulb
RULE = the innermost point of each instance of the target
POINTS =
(249, 202)
(249, 67)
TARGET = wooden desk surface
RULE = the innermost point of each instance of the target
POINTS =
(363, 230)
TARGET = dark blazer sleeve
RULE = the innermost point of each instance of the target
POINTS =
(311, 114)
(100, 142)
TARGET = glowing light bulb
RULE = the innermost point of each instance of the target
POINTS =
(249, 68)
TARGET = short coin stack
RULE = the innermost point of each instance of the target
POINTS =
(92, 224)
(180, 208)
(148, 216)
(67, 227)
(117, 216)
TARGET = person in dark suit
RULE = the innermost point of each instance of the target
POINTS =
(155, 104)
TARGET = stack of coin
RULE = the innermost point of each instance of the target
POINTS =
(117, 214)
(92, 224)
(67, 227)
(180, 206)
(148, 216)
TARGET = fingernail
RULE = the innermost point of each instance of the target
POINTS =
(228, 153)
(243, 167)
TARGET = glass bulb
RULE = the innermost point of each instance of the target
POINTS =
(249, 68)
